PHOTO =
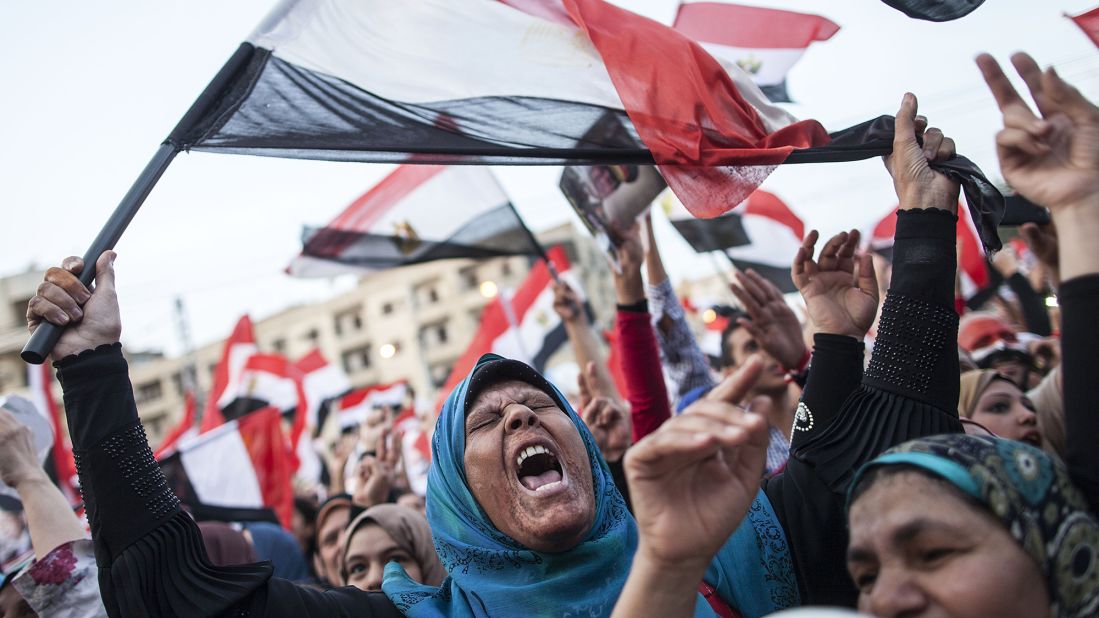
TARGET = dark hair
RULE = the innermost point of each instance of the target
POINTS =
(727, 359)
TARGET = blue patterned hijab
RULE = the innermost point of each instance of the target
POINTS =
(492, 575)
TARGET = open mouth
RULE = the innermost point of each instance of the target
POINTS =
(1032, 438)
(538, 469)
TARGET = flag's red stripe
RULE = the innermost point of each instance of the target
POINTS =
(1089, 23)
(311, 362)
(752, 27)
(272, 459)
(370, 206)
(769, 205)
(695, 122)
(242, 334)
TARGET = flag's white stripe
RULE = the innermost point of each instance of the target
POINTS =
(310, 267)
(525, 342)
(773, 243)
(438, 208)
(239, 353)
(324, 383)
(767, 67)
(220, 469)
(421, 51)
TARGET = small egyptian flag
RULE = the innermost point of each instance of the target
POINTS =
(1089, 23)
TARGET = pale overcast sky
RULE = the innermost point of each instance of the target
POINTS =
(90, 90)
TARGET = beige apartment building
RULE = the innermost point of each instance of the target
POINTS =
(408, 324)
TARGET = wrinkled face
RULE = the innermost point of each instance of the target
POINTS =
(743, 346)
(527, 467)
(1007, 412)
(919, 549)
(369, 550)
(328, 542)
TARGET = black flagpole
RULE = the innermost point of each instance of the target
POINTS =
(43, 339)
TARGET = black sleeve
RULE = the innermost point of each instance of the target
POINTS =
(834, 373)
(1079, 300)
(150, 554)
(908, 391)
(1035, 315)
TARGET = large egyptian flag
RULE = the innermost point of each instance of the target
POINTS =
(354, 407)
(761, 233)
(416, 214)
(765, 43)
(244, 464)
(523, 325)
(507, 82)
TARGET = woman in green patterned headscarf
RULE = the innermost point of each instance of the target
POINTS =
(971, 526)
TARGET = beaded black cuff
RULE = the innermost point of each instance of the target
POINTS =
(912, 334)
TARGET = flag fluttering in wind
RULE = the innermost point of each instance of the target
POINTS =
(761, 233)
(239, 347)
(1089, 23)
(523, 325)
(353, 408)
(245, 463)
(418, 213)
(321, 381)
(509, 82)
(765, 43)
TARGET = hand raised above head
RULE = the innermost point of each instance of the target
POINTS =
(18, 461)
(773, 323)
(91, 317)
(1051, 159)
(839, 298)
(917, 185)
(566, 302)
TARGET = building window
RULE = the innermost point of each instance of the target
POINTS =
(505, 268)
(356, 359)
(475, 315)
(469, 278)
(312, 335)
(279, 345)
(433, 334)
(387, 308)
(439, 374)
(432, 295)
(347, 321)
(148, 391)
(177, 383)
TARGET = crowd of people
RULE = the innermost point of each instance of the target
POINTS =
(949, 472)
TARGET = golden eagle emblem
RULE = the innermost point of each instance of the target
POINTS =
(405, 237)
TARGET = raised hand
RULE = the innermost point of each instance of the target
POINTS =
(692, 480)
(605, 414)
(1042, 242)
(1052, 159)
(566, 302)
(773, 323)
(917, 185)
(18, 460)
(91, 316)
(628, 286)
(378, 473)
(839, 298)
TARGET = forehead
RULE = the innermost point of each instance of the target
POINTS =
(1001, 387)
(370, 538)
(898, 500)
(504, 392)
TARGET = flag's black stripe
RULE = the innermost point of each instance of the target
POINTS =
(554, 339)
(492, 233)
(714, 234)
(776, 93)
(778, 275)
(278, 109)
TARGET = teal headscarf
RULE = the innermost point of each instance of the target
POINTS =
(492, 575)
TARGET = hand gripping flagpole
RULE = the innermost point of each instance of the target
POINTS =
(43, 339)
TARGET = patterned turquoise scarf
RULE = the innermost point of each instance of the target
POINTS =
(492, 575)
(1030, 492)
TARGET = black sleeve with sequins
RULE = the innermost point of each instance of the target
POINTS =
(149, 553)
(909, 390)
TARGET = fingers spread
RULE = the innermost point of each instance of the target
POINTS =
(1002, 89)
(1022, 141)
(830, 250)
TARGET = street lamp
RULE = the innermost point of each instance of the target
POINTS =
(489, 289)
(387, 350)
